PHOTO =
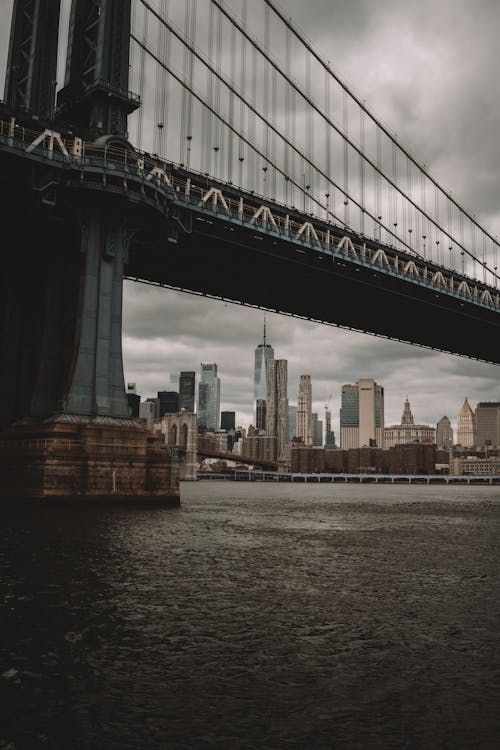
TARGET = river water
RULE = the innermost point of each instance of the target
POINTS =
(255, 616)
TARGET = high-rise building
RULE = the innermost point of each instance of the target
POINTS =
(329, 435)
(408, 431)
(277, 404)
(169, 402)
(260, 414)
(316, 430)
(488, 423)
(362, 415)
(227, 420)
(466, 426)
(263, 353)
(186, 391)
(444, 433)
(304, 409)
(292, 421)
(209, 398)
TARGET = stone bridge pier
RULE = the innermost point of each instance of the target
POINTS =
(180, 432)
(65, 429)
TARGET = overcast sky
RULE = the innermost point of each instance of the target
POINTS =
(429, 70)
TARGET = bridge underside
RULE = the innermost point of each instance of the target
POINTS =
(225, 261)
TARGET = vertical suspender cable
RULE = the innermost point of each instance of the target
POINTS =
(243, 86)
(230, 135)
(362, 170)
(345, 120)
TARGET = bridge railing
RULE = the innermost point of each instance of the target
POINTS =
(264, 216)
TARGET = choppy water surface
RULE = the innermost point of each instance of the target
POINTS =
(255, 616)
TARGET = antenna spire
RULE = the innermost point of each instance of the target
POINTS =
(264, 340)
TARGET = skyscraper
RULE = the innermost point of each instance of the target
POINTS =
(277, 404)
(169, 402)
(209, 397)
(362, 415)
(186, 391)
(228, 420)
(329, 435)
(263, 353)
(444, 433)
(466, 426)
(304, 409)
(488, 423)
(316, 430)
(260, 414)
(292, 421)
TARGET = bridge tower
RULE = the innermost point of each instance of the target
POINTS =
(61, 368)
(32, 62)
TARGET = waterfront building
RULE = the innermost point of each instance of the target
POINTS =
(169, 402)
(209, 398)
(475, 465)
(444, 433)
(263, 354)
(488, 423)
(362, 415)
(408, 431)
(186, 391)
(466, 426)
(259, 447)
(304, 411)
(277, 405)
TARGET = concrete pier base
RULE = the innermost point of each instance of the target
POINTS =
(106, 461)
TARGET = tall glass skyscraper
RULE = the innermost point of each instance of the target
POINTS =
(263, 353)
(362, 415)
(209, 397)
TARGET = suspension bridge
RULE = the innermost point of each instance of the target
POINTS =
(208, 147)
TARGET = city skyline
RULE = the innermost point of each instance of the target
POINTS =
(392, 401)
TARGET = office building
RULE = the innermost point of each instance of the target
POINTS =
(329, 435)
(186, 391)
(408, 431)
(148, 410)
(316, 430)
(169, 402)
(228, 420)
(444, 433)
(263, 354)
(277, 404)
(304, 410)
(362, 415)
(209, 398)
(260, 414)
(292, 421)
(488, 423)
(466, 426)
